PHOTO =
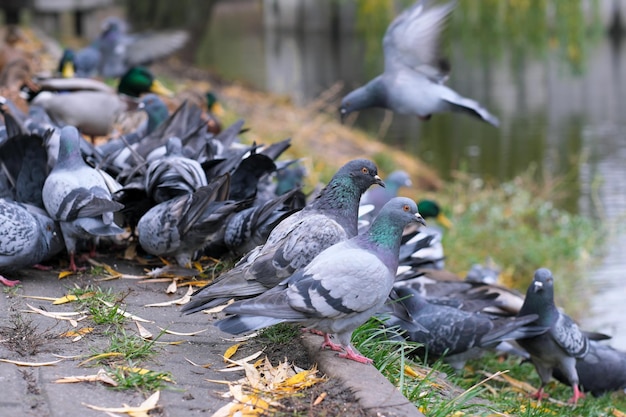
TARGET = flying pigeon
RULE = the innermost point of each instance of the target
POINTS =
(27, 236)
(340, 289)
(76, 195)
(413, 80)
(295, 241)
(561, 344)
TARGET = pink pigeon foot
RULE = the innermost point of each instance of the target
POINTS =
(577, 395)
(312, 331)
(41, 267)
(8, 282)
(539, 395)
(350, 353)
(330, 344)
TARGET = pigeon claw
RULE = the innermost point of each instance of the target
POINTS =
(330, 344)
(351, 354)
(8, 282)
(577, 395)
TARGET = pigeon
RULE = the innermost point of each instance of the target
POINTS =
(183, 225)
(121, 50)
(28, 236)
(76, 195)
(173, 174)
(295, 241)
(602, 370)
(340, 289)
(452, 330)
(414, 76)
(562, 344)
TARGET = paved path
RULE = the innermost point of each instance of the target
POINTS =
(30, 391)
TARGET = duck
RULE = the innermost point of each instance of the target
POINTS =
(95, 109)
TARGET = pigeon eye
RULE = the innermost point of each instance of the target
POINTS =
(365, 170)
(406, 208)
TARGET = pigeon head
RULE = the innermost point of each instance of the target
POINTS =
(363, 173)
(387, 227)
(174, 146)
(156, 110)
(361, 98)
(69, 145)
(139, 80)
(399, 179)
(540, 298)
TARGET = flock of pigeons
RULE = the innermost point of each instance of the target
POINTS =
(329, 261)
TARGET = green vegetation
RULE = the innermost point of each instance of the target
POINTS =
(279, 334)
(519, 226)
(140, 379)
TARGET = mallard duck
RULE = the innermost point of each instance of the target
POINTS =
(94, 111)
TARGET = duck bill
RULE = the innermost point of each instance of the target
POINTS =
(217, 109)
(158, 88)
(68, 70)
(444, 221)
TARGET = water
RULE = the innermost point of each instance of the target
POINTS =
(561, 101)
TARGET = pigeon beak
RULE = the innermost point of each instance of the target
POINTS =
(420, 219)
(379, 181)
(342, 114)
(537, 286)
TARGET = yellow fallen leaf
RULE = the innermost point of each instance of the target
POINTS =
(218, 308)
(71, 297)
(38, 297)
(101, 376)
(143, 371)
(195, 283)
(320, 398)
(100, 356)
(143, 332)
(206, 365)
(64, 274)
(142, 410)
(59, 315)
(410, 371)
(179, 301)
(618, 413)
(125, 313)
(182, 334)
(231, 351)
(80, 332)
(31, 364)
(172, 288)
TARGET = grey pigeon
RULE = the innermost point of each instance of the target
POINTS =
(602, 370)
(562, 344)
(121, 50)
(27, 236)
(295, 241)
(454, 332)
(76, 195)
(340, 289)
(183, 225)
(413, 81)
(173, 174)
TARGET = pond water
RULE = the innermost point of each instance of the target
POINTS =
(560, 101)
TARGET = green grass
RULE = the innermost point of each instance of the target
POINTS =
(519, 225)
(280, 333)
(93, 299)
(131, 346)
(140, 379)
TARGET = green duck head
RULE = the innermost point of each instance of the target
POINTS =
(213, 104)
(430, 209)
(66, 64)
(139, 80)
